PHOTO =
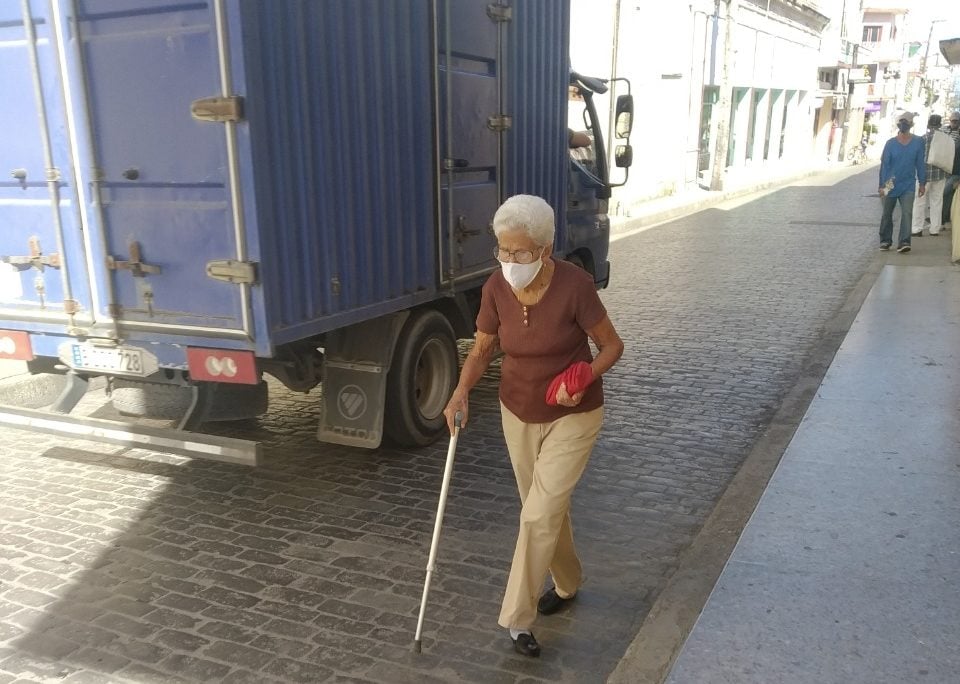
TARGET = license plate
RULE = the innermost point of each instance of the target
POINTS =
(119, 360)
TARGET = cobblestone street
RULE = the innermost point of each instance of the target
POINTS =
(121, 565)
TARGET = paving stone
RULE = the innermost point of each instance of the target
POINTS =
(223, 630)
(297, 671)
(98, 661)
(226, 597)
(121, 624)
(142, 674)
(270, 575)
(179, 640)
(28, 597)
(240, 655)
(195, 669)
(288, 648)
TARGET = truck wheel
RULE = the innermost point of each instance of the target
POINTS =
(421, 380)
(170, 402)
(149, 399)
(31, 391)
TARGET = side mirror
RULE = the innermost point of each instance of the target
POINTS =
(623, 156)
(624, 119)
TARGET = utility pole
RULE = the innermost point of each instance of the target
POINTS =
(923, 65)
(722, 108)
(926, 52)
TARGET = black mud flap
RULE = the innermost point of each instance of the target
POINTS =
(355, 365)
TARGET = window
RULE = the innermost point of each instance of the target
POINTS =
(775, 96)
(872, 34)
(756, 118)
(736, 99)
(711, 94)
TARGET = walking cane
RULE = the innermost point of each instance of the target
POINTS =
(447, 471)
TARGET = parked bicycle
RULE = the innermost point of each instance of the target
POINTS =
(857, 154)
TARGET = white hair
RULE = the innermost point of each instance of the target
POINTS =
(529, 214)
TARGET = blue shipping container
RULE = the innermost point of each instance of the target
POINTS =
(246, 175)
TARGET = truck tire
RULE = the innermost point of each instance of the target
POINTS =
(31, 391)
(150, 399)
(163, 401)
(421, 380)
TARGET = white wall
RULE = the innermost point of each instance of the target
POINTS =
(669, 50)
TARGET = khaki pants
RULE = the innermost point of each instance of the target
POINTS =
(548, 460)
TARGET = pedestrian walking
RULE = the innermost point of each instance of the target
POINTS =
(932, 200)
(953, 130)
(902, 172)
(542, 313)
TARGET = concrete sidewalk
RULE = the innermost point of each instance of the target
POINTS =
(656, 211)
(849, 567)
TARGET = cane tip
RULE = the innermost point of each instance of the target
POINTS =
(416, 646)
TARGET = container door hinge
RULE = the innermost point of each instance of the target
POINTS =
(217, 108)
(500, 12)
(71, 306)
(500, 123)
(227, 270)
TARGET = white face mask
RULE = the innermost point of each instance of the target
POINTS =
(520, 275)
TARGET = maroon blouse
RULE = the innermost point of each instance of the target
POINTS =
(555, 338)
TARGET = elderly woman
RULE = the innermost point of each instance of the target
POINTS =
(541, 313)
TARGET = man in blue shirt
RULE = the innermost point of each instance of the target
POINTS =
(903, 170)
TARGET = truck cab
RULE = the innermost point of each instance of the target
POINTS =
(590, 183)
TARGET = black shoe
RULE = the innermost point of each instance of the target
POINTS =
(884, 246)
(903, 248)
(526, 644)
(551, 602)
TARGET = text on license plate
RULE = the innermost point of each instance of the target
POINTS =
(120, 360)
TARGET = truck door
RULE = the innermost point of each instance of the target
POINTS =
(43, 266)
(470, 127)
(165, 183)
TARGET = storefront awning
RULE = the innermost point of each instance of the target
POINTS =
(951, 50)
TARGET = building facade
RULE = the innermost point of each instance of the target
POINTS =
(727, 92)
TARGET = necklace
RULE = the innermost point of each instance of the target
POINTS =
(534, 296)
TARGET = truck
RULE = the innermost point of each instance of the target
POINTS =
(200, 193)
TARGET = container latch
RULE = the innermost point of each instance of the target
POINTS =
(217, 108)
(231, 271)
(36, 259)
(499, 12)
(135, 264)
(500, 122)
